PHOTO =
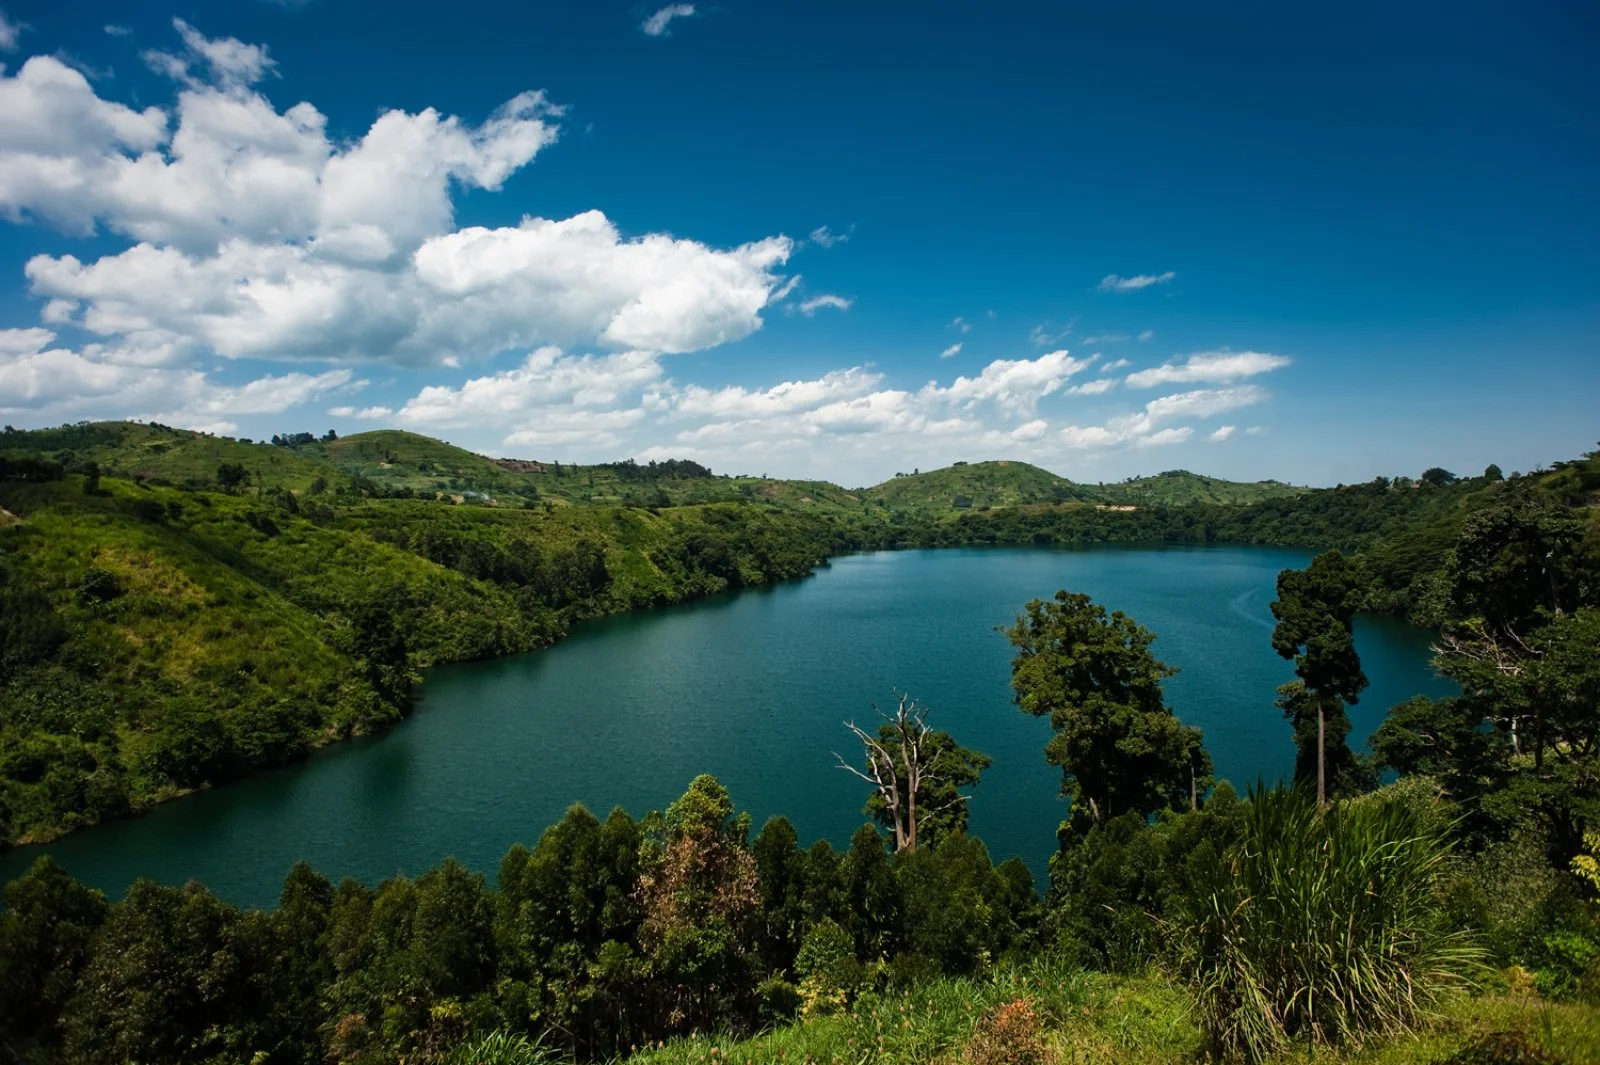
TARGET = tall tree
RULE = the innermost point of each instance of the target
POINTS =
(1316, 610)
(916, 775)
(1118, 744)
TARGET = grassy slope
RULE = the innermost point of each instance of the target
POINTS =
(175, 455)
(1091, 1018)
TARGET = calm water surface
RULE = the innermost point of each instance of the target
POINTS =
(754, 689)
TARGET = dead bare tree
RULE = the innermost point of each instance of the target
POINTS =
(900, 759)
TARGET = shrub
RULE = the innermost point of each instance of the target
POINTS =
(1320, 927)
(97, 586)
(1007, 1035)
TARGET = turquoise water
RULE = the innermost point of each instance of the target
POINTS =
(753, 688)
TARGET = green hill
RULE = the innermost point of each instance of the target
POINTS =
(975, 486)
(1181, 488)
(156, 639)
(146, 451)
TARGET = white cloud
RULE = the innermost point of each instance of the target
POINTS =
(1142, 428)
(1255, 430)
(230, 61)
(1098, 386)
(1114, 364)
(816, 303)
(656, 25)
(950, 352)
(961, 324)
(547, 376)
(24, 341)
(1222, 433)
(1108, 338)
(237, 169)
(826, 238)
(1045, 334)
(9, 32)
(1113, 283)
(785, 398)
(364, 413)
(1211, 366)
(115, 30)
(1148, 334)
(1014, 385)
(57, 382)
(1162, 437)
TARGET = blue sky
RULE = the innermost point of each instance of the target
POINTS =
(811, 238)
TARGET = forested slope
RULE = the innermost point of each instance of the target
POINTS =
(154, 640)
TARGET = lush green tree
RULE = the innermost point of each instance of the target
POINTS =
(781, 870)
(872, 899)
(46, 930)
(232, 476)
(1119, 746)
(1316, 610)
(700, 899)
(169, 981)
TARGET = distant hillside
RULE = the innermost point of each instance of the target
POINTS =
(978, 486)
(975, 486)
(141, 451)
(1181, 488)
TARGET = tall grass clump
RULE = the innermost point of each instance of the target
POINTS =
(501, 1048)
(1320, 926)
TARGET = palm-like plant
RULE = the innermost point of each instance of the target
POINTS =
(1320, 927)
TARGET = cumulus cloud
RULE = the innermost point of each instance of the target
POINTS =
(40, 380)
(817, 303)
(375, 413)
(1211, 366)
(260, 235)
(657, 24)
(950, 352)
(1098, 386)
(1114, 283)
(1012, 384)
(1222, 433)
(1114, 364)
(785, 398)
(546, 377)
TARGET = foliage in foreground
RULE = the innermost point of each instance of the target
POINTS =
(1321, 927)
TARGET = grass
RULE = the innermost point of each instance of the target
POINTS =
(1090, 1018)
(1321, 926)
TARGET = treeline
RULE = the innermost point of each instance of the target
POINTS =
(606, 935)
